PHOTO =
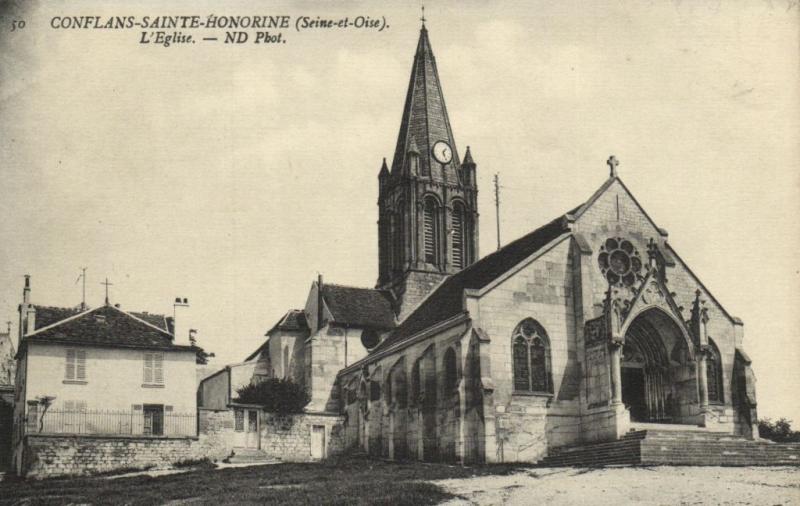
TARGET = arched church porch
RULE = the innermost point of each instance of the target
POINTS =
(658, 373)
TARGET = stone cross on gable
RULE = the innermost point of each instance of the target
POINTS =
(612, 164)
(107, 284)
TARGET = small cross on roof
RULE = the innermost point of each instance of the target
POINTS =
(612, 164)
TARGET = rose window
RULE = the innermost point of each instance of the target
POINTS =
(619, 261)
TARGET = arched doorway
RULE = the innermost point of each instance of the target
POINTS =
(658, 380)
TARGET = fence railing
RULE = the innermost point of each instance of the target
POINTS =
(146, 423)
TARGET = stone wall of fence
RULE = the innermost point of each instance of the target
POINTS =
(54, 455)
(289, 437)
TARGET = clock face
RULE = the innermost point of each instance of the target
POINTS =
(442, 152)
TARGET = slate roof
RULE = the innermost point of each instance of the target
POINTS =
(103, 326)
(157, 320)
(425, 120)
(48, 315)
(360, 307)
(446, 300)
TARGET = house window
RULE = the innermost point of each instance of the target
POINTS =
(75, 365)
(74, 415)
(153, 419)
(286, 362)
(714, 374)
(238, 417)
(153, 368)
(531, 358)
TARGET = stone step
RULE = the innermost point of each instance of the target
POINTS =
(675, 447)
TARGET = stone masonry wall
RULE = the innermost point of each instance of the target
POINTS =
(289, 437)
(50, 456)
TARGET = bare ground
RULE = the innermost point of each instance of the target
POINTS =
(631, 485)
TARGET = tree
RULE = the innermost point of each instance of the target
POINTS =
(779, 431)
(281, 396)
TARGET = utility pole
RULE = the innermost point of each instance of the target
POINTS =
(497, 205)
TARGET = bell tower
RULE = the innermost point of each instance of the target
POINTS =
(427, 201)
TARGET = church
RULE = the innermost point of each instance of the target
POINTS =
(577, 332)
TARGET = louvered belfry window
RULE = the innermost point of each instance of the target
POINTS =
(458, 236)
(431, 232)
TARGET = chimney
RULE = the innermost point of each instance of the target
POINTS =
(180, 321)
(27, 313)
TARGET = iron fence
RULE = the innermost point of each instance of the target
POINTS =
(146, 422)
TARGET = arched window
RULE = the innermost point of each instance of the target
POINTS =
(458, 224)
(714, 373)
(531, 358)
(430, 217)
(399, 234)
(450, 371)
(286, 362)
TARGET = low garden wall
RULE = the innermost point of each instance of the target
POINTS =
(288, 438)
(53, 455)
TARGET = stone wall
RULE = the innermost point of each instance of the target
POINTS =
(49, 456)
(289, 437)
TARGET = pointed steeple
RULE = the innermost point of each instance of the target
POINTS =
(384, 170)
(468, 158)
(425, 119)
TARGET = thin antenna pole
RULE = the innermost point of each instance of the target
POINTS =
(83, 275)
(497, 205)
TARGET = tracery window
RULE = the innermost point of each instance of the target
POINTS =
(430, 217)
(619, 261)
(531, 358)
(714, 374)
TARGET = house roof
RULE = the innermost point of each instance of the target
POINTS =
(103, 326)
(446, 300)
(294, 319)
(359, 307)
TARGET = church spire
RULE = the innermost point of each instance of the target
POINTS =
(425, 121)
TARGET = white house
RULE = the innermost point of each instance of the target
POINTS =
(102, 371)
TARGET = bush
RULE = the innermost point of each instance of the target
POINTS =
(281, 396)
(779, 431)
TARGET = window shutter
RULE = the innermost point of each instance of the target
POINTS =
(158, 368)
(80, 368)
(80, 406)
(148, 367)
(69, 405)
(70, 365)
(137, 407)
(168, 409)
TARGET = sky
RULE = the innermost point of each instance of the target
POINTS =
(233, 174)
